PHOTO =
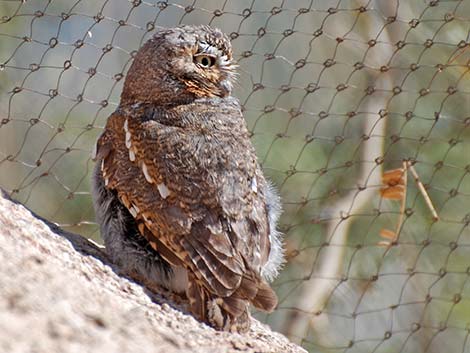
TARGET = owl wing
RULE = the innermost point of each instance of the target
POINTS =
(202, 213)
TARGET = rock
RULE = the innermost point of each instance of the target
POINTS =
(59, 293)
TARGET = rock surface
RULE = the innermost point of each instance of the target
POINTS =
(59, 293)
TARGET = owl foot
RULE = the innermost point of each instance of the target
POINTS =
(221, 319)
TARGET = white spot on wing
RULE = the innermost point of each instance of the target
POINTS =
(254, 185)
(146, 173)
(126, 126)
(128, 139)
(133, 211)
(106, 181)
(163, 190)
(102, 165)
(131, 155)
(128, 134)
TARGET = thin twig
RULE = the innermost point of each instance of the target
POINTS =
(423, 191)
(403, 202)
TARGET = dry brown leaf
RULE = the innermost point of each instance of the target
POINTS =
(396, 192)
(393, 177)
(388, 234)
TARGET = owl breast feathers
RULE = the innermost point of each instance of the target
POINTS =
(178, 192)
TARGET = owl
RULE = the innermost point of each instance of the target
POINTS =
(178, 192)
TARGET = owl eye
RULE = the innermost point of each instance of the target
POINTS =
(205, 60)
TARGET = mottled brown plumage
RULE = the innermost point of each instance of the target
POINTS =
(176, 166)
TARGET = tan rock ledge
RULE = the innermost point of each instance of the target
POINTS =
(58, 293)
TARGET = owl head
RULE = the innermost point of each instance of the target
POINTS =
(179, 65)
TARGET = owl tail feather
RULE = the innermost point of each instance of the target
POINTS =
(231, 313)
(258, 292)
(227, 314)
(265, 298)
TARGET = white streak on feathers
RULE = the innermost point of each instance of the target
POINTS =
(131, 155)
(163, 190)
(128, 139)
(136, 209)
(128, 134)
(254, 185)
(133, 210)
(146, 174)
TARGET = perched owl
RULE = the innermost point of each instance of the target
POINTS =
(178, 192)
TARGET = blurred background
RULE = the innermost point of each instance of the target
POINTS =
(338, 95)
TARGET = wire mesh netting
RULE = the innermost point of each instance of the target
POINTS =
(359, 111)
